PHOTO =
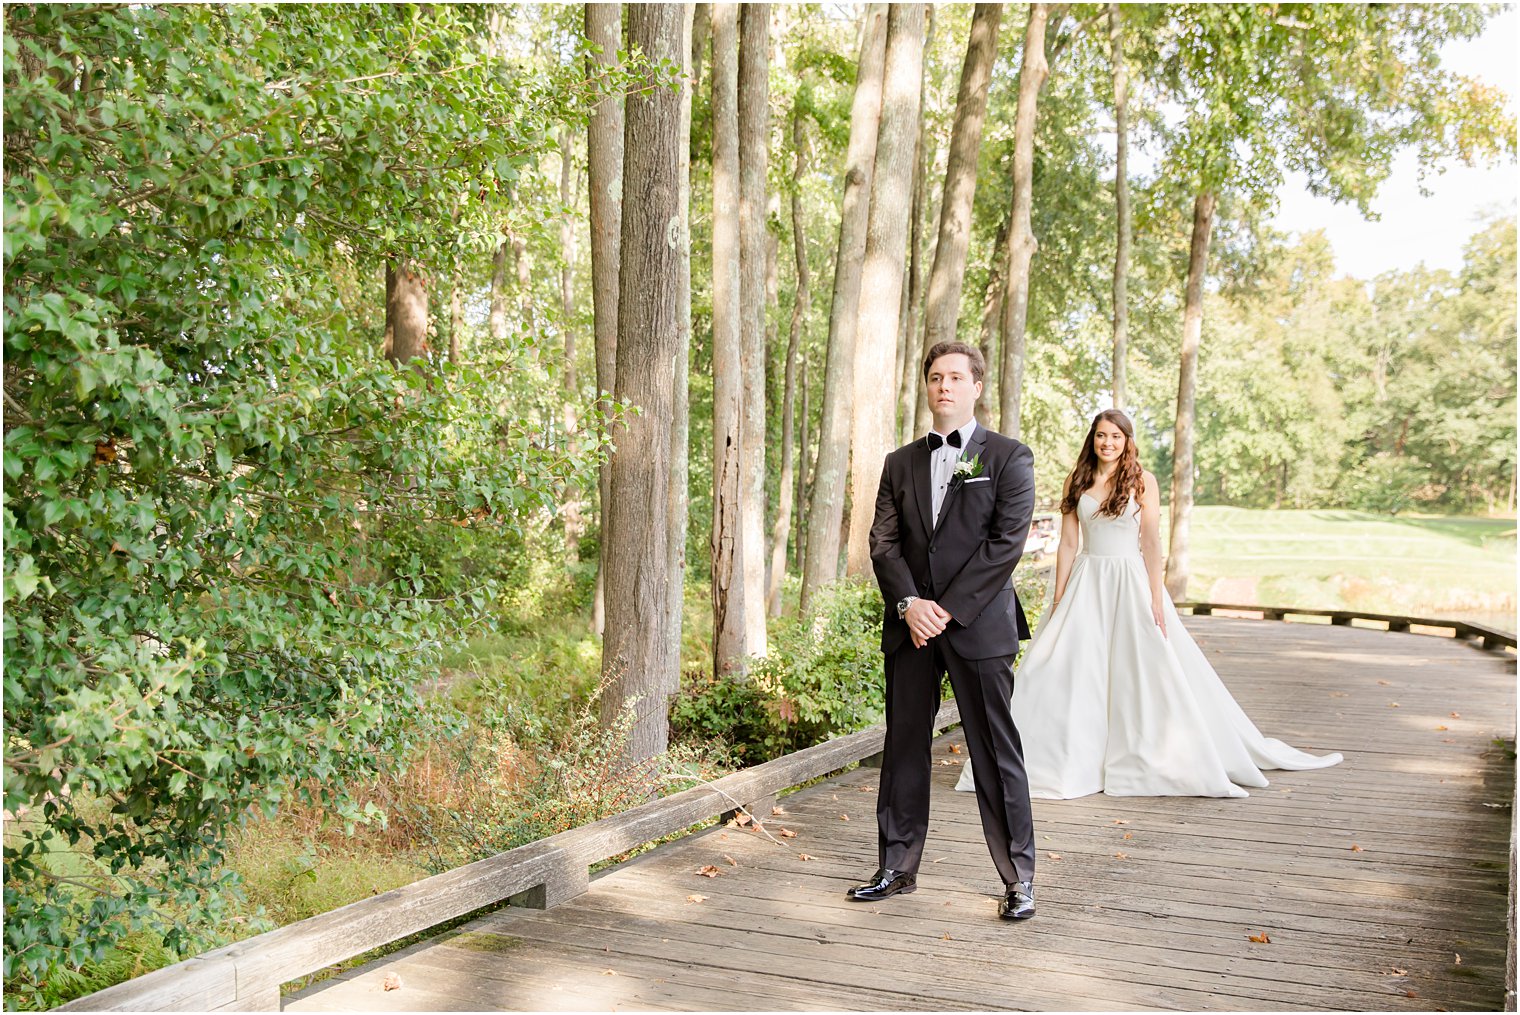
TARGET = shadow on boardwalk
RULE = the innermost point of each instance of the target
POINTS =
(1381, 883)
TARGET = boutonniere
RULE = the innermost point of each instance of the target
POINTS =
(966, 468)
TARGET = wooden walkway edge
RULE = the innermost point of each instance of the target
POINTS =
(1380, 884)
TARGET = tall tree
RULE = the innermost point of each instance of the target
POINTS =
(604, 187)
(912, 299)
(1187, 373)
(754, 146)
(406, 312)
(882, 273)
(800, 306)
(826, 507)
(1121, 201)
(638, 661)
(680, 421)
(730, 626)
(1021, 239)
(573, 510)
(960, 178)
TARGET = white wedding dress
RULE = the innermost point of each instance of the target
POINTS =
(1106, 703)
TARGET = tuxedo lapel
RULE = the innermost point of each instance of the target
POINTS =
(973, 448)
(923, 491)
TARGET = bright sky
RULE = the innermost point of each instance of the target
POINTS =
(1414, 228)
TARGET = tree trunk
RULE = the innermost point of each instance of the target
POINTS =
(992, 313)
(827, 502)
(701, 37)
(680, 421)
(604, 186)
(1187, 375)
(574, 510)
(960, 178)
(912, 302)
(728, 546)
(799, 536)
(406, 312)
(800, 305)
(1021, 241)
(638, 660)
(1121, 202)
(754, 148)
(498, 319)
(882, 273)
(456, 314)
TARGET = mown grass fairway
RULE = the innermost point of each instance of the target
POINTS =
(1418, 566)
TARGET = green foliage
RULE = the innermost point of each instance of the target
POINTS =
(218, 591)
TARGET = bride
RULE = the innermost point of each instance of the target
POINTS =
(1112, 694)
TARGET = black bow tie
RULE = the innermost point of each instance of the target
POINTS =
(935, 440)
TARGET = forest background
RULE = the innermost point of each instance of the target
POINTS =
(431, 427)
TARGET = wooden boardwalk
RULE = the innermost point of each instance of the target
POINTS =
(1381, 883)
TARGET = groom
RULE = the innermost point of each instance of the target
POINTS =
(951, 516)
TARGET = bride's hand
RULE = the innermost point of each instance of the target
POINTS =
(1159, 615)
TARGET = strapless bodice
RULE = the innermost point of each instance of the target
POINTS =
(1103, 536)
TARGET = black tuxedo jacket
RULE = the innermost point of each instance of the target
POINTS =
(966, 562)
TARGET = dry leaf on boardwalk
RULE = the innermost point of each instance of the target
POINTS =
(1053, 856)
(741, 819)
(1459, 957)
(709, 871)
(609, 972)
(844, 817)
(1262, 939)
(1441, 729)
(731, 861)
(1121, 856)
(1339, 694)
(1396, 971)
(1384, 683)
(955, 748)
(803, 856)
(696, 898)
(777, 811)
(1411, 993)
(1129, 835)
(391, 982)
(946, 936)
(1393, 704)
(1118, 821)
(787, 833)
(1455, 715)
(1357, 849)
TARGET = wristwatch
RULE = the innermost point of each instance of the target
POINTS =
(902, 606)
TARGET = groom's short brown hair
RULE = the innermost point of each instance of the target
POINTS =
(971, 352)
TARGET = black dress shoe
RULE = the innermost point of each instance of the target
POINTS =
(883, 885)
(1018, 901)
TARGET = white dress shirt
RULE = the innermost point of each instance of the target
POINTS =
(942, 464)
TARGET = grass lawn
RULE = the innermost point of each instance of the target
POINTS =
(1431, 566)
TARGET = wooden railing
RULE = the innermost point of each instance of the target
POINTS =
(246, 976)
(1488, 637)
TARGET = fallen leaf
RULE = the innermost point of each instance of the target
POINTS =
(1442, 729)
(741, 819)
(777, 810)
(1338, 694)
(696, 898)
(1411, 993)
(1393, 704)
(1053, 856)
(1455, 715)
(844, 817)
(731, 861)
(391, 982)
(1118, 822)
(1459, 958)
(955, 748)
(1357, 849)
(722, 835)
(1121, 856)
(709, 871)
(1400, 972)
(946, 936)
(1384, 683)
(609, 972)
(787, 833)
(1262, 939)
(1129, 835)
(803, 856)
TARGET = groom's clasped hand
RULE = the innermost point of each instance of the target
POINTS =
(926, 619)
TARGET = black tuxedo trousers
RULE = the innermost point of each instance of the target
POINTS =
(982, 688)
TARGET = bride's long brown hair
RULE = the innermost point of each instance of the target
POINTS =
(1128, 479)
